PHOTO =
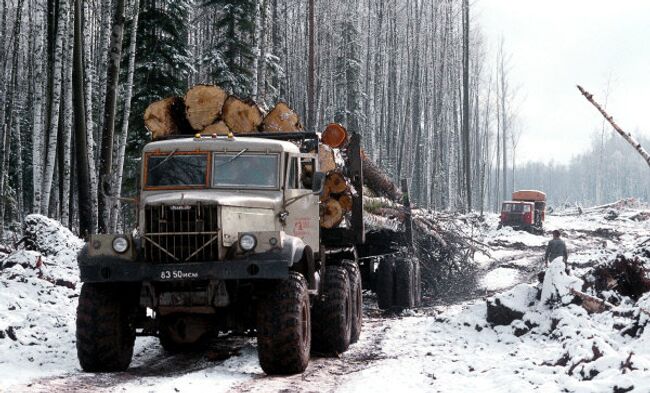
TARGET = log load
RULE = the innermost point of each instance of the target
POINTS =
(203, 105)
(331, 213)
(377, 181)
(242, 116)
(281, 119)
(166, 117)
(336, 183)
(345, 201)
(326, 160)
(218, 128)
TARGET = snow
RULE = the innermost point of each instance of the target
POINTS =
(38, 299)
(558, 284)
(554, 345)
(500, 278)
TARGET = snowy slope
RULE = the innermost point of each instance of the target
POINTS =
(550, 348)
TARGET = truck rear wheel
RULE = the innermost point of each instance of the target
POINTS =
(284, 327)
(105, 327)
(404, 288)
(356, 296)
(333, 314)
(385, 283)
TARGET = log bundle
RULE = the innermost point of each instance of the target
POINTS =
(209, 110)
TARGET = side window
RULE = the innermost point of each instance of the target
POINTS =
(308, 166)
(292, 181)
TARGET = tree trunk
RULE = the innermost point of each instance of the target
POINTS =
(311, 67)
(108, 125)
(84, 160)
(54, 107)
(119, 162)
(37, 112)
(626, 135)
(466, 149)
(66, 135)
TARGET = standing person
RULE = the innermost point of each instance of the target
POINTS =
(556, 248)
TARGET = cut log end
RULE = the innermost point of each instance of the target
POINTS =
(161, 117)
(332, 214)
(203, 105)
(326, 160)
(242, 117)
(219, 128)
(336, 183)
(281, 119)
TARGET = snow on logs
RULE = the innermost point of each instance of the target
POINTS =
(281, 119)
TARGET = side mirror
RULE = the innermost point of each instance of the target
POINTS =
(318, 183)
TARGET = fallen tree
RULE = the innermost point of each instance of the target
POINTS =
(626, 135)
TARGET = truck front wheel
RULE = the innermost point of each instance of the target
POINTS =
(284, 327)
(333, 313)
(105, 327)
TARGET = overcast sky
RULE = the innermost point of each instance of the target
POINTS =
(556, 44)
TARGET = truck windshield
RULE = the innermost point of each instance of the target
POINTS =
(177, 169)
(245, 170)
(516, 208)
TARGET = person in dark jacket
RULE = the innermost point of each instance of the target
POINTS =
(556, 248)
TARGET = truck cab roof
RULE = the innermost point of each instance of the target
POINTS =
(238, 143)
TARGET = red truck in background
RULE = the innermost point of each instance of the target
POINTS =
(525, 211)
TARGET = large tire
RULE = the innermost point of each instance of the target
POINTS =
(333, 314)
(356, 295)
(284, 327)
(385, 287)
(404, 288)
(106, 327)
(417, 283)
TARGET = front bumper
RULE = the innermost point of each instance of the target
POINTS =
(112, 269)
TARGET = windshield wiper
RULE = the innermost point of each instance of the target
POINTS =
(232, 159)
(164, 160)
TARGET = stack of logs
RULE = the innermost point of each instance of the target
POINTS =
(209, 110)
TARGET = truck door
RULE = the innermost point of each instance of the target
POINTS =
(303, 220)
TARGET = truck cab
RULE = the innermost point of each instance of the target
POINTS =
(525, 211)
(227, 240)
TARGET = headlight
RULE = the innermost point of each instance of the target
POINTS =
(120, 244)
(247, 242)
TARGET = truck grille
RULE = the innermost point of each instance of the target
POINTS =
(514, 219)
(181, 233)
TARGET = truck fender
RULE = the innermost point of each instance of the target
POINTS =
(292, 249)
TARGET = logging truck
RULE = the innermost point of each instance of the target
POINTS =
(526, 211)
(235, 235)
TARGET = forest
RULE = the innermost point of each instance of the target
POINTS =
(413, 78)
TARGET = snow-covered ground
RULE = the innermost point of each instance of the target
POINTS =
(549, 348)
